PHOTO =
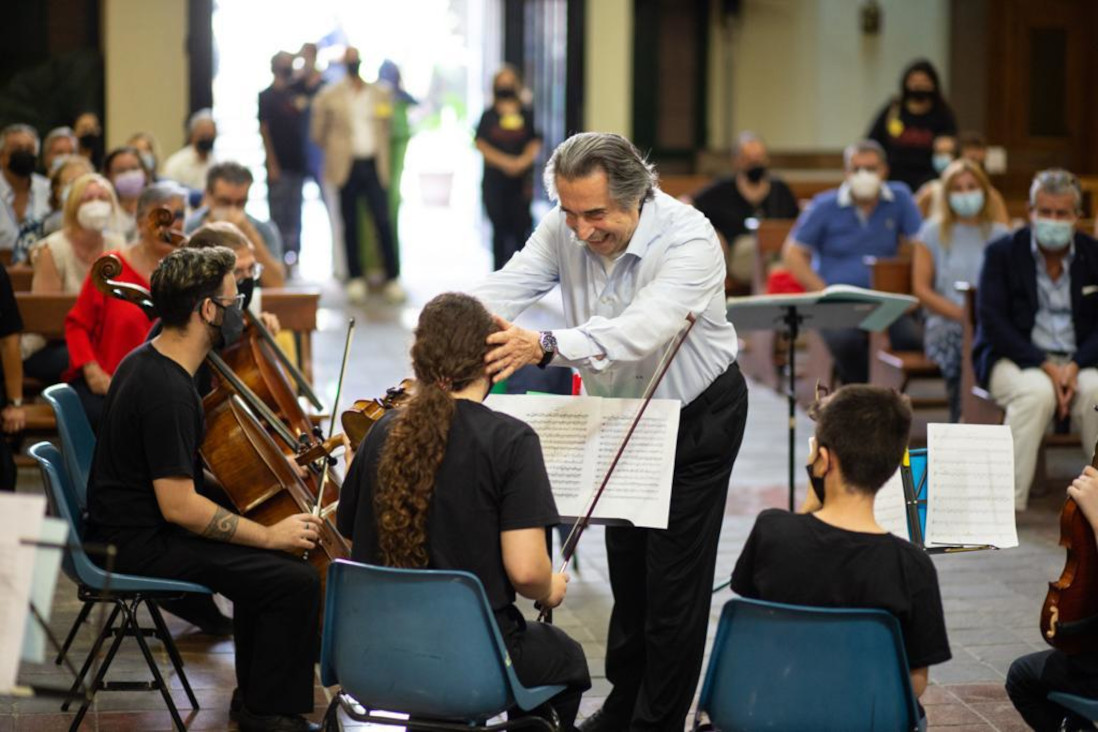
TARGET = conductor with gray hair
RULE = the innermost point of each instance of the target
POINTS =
(632, 263)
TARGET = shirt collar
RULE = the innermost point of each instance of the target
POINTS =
(845, 198)
(1039, 258)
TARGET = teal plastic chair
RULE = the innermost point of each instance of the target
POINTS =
(1081, 705)
(785, 667)
(77, 438)
(125, 593)
(422, 643)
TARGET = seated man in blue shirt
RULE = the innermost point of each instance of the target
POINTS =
(1036, 345)
(864, 217)
(227, 187)
(835, 554)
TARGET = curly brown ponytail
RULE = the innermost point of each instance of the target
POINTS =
(448, 355)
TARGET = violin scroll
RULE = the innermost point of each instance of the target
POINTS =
(161, 219)
(364, 413)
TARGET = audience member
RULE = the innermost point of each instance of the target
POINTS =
(89, 135)
(67, 169)
(128, 175)
(1036, 344)
(974, 148)
(24, 194)
(400, 134)
(12, 416)
(59, 143)
(190, 165)
(509, 143)
(1032, 677)
(863, 217)
(835, 554)
(752, 192)
(308, 81)
(100, 330)
(908, 124)
(147, 146)
(247, 270)
(929, 198)
(950, 248)
(227, 188)
(351, 123)
(62, 260)
(281, 123)
(945, 152)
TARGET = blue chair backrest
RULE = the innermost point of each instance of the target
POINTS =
(63, 497)
(77, 437)
(777, 666)
(423, 642)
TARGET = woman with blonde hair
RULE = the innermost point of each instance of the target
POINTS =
(444, 482)
(949, 249)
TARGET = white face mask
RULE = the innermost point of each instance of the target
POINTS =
(94, 215)
(864, 184)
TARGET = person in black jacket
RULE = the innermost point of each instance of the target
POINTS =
(908, 124)
(1036, 345)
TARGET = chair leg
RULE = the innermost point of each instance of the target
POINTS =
(330, 723)
(92, 655)
(158, 678)
(73, 631)
(173, 652)
(97, 682)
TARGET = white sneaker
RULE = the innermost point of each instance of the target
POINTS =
(393, 293)
(356, 291)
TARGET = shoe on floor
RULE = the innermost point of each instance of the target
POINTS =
(250, 722)
(393, 293)
(600, 722)
(236, 704)
(356, 291)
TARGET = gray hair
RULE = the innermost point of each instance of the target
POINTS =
(202, 115)
(631, 177)
(864, 146)
(17, 128)
(746, 137)
(1056, 182)
(157, 194)
(59, 132)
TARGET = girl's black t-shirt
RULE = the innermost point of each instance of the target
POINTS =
(492, 479)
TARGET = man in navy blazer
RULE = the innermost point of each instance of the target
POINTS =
(1036, 345)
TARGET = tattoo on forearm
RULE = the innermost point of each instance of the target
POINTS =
(222, 526)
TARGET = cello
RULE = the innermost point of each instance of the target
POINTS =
(1069, 617)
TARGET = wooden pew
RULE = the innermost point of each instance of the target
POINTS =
(296, 312)
(889, 367)
(684, 185)
(20, 276)
(44, 314)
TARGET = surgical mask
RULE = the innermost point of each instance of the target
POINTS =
(1053, 234)
(130, 184)
(864, 184)
(94, 215)
(204, 144)
(232, 325)
(755, 173)
(21, 163)
(941, 161)
(148, 160)
(353, 67)
(966, 204)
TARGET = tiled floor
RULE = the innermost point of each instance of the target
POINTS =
(992, 599)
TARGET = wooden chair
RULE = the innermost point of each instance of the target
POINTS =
(889, 367)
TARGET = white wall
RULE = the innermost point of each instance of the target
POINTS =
(804, 75)
(608, 72)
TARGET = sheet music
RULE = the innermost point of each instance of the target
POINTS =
(579, 437)
(890, 507)
(20, 518)
(971, 476)
(47, 563)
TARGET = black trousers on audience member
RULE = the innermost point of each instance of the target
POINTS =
(508, 208)
(850, 347)
(363, 181)
(1032, 677)
(662, 580)
(276, 606)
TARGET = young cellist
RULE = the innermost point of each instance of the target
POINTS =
(444, 482)
(834, 553)
(142, 497)
(1032, 677)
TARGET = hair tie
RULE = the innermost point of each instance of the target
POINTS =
(445, 383)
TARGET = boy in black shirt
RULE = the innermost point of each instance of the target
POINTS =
(143, 497)
(835, 554)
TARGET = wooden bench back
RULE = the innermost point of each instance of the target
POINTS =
(770, 237)
(890, 275)
(680, 185)
(44, 314)
(20, 276)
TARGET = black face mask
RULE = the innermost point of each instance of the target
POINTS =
(232, 325)
(246, 287)
(21, 163)
(504, 92)
(89, 140)
(284, 73)
(755, 173)
(204, 144)
(353, 67)
(919, 95)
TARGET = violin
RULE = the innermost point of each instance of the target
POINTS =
(364, 413)
(1069, 617)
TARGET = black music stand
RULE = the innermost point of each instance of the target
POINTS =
(833, 308)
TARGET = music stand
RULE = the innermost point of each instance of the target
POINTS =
(834, 308)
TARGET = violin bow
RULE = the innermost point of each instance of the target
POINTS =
(568, 549)
(318, 507)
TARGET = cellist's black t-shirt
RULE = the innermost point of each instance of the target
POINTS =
(492, 479)
(152, 427)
